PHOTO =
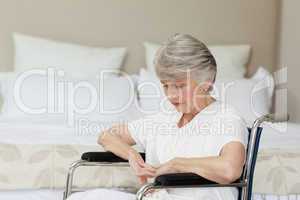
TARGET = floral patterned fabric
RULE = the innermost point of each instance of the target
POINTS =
(30, 166)
(277, 172)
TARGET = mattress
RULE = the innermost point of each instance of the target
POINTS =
(280, 135)
(36, 154)
(54, 130)
(43, 131)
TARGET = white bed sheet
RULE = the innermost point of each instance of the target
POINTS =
(55, 131)
(49, 131)
(284, 135)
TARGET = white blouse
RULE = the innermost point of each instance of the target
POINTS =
(205, 135)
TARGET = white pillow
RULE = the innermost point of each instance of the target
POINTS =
(150, 93)
(110, 98)
(33, 95)
(249, 96)
(76, 60)
(232, 60)
(151, 96)
(1, 100)
(266, 81)
(116, 99)
(3, 77)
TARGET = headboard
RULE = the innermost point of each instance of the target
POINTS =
(131, 22)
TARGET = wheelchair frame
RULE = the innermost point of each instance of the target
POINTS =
(183, 180)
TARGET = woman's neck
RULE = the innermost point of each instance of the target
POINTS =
(187, 117)
(201, 104)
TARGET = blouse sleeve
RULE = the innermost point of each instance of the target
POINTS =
(232, 128)
(138, 132)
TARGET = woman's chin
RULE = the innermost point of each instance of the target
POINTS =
(181, 108)
(184, 110)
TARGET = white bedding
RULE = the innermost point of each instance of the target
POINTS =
(280, 135)
(47, 130)
(23, 131)
(55, 131)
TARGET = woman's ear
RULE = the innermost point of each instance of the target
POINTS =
(205, 87)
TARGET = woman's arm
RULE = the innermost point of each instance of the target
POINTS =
(117, 139)
(223, 169)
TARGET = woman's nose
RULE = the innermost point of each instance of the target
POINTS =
(172, 93)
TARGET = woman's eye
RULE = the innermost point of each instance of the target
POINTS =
(180, 86)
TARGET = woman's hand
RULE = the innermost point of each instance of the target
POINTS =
(140, 168)
(167, 168)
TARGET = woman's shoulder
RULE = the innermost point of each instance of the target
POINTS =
(226, 110)
(159, 116)
(227, 118)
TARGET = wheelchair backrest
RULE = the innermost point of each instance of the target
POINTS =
(251, 152)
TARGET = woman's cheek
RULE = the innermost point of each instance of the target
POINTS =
(185, 97)
(189, 95)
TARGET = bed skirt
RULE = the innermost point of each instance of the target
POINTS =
(36, 166)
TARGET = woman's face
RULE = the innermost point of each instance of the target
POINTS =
(184, 94)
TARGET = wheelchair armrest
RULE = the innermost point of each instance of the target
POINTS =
(103, 157)
(189, 179)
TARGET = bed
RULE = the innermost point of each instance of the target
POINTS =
(40, 163)
(37, 149)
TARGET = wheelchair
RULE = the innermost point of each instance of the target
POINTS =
(182, 180)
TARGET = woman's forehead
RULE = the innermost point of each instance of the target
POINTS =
(178, 81)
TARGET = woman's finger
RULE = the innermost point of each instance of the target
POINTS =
(151, 191)
(148, 174)
(142, 179)
(146, 165)
(160, 171)
(140, 161)
(145, 172)
(149, 167)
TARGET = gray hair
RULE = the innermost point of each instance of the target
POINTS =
(184, 55)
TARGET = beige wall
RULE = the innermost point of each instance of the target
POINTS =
(289, 55)
(130, 22)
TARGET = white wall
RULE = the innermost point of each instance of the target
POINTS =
(130, 22)
(289, 50)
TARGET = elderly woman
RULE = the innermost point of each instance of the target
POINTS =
(202, 136)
